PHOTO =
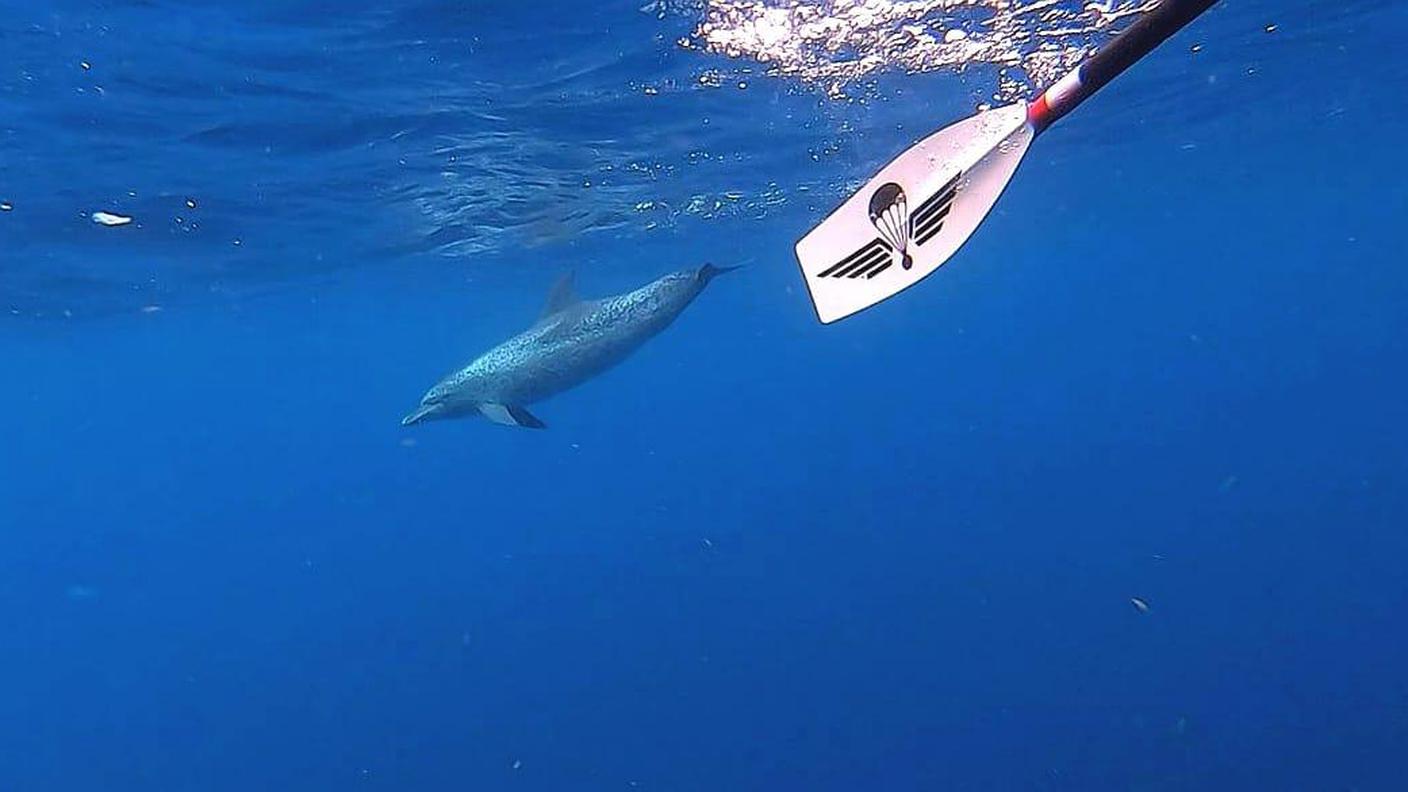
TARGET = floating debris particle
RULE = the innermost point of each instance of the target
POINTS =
(151, 309)
(517, 763)
(708, 545)
(110, 219)
(1271, 28)
(6, 206)
(1139, 604)
(86, 65)
(1196, 48)
(190, 203)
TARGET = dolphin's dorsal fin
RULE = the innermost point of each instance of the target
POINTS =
(562, 296)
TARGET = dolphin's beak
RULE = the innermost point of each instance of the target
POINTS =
(422, 413)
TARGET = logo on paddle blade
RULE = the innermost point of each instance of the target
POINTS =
(889, 213)
(869, 261)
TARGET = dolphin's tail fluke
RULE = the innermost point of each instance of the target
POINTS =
(708, 272)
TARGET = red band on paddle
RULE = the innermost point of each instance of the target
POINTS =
(1039, 113)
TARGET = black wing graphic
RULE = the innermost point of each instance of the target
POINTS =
(869, 261)
(928, 219)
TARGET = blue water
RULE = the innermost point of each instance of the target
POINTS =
(896, 553)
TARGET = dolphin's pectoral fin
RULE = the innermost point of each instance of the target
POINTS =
(562, 296)
(526, 419)
(510, 415)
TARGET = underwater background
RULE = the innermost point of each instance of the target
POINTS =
(895, 553)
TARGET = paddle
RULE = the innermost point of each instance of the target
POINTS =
(920, 209)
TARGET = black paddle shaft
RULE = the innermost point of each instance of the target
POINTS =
(1137, 40)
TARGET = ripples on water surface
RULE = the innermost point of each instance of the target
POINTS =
(262, 143)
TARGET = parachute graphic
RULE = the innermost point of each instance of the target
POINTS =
(889, 213)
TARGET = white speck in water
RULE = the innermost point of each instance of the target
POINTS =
(151, 309)
(1271, 28)
(517, 763)
(6, 206)
(1139, 604)
(190, 203)
(86, 65)
(110, 219)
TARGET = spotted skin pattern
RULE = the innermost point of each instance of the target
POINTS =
(565, 348)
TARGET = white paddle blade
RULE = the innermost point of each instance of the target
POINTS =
(916, 212)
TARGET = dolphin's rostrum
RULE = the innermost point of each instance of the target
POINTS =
(572, 342)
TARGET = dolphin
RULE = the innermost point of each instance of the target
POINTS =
(573, 341)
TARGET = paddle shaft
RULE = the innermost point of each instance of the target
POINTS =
(1138, 40)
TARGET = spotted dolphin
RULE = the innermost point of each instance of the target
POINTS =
(573, 341)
